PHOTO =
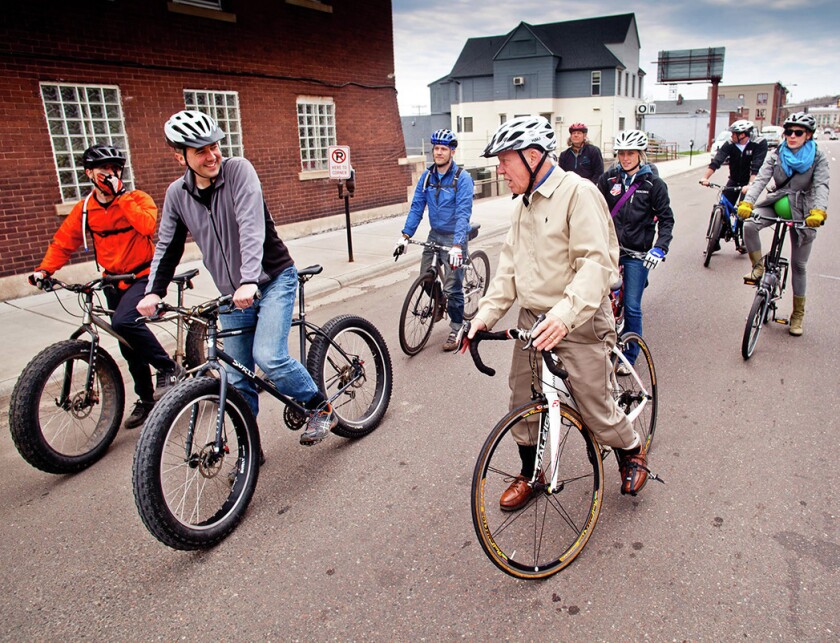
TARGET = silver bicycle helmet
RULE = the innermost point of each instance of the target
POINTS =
(631, 139)
(742, 127)
(522, 133)
(191, 128)
(802, 118)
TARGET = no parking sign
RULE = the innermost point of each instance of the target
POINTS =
(339, 161)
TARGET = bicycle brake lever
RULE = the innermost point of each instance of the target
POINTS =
(529, 342)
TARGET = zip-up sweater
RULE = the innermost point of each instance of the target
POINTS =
(744, 164)
(236, 234)
(449, 209)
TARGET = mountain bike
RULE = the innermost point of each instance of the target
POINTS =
(68, 403)
(770, 288)
(723, 222)
(552, 529)
(197, 460)
(425, 304)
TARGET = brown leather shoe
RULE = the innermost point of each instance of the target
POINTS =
(517, 494)
(634, 471)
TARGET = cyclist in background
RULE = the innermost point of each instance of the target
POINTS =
(559, 259)
(641, 211)
(800, 174)
(219, 201)
(581, 157)
(121, 224)
(448, 193)
(746, 155)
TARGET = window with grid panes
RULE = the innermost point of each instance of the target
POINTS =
(79, 116)
(223, 107)
(316, 131)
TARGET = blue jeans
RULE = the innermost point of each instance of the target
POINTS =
(453, 280)
(635, 281)
(268, 345)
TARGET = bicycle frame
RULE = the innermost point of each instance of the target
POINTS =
(774, 280)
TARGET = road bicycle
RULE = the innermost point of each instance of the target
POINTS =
(425, 304)
(723, 222)
(68, 403)
(197, 460)
(552, 529)
(770, 288)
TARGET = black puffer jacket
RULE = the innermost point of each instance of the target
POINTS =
(645, 220)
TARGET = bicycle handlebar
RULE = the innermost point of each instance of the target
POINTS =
(50, 284)
(722, 187)
(793, 224)
(511, 333)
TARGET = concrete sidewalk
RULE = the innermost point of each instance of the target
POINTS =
(30, 324)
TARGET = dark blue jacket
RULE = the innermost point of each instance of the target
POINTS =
(589, 163)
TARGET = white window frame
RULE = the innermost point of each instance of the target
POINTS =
(316, 132)
(223, 107)
(78, 116)
(596, 75)
(215, 5)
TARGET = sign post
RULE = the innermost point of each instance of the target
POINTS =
(340, 168)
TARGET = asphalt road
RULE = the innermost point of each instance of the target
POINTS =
(373, 539)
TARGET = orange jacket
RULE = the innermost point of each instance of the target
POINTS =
(122, 235)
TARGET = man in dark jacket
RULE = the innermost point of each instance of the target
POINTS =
(745, 159)
(581, 157)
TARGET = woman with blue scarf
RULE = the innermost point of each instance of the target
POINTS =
(800, 174)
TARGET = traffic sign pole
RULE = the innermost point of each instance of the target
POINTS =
(340, 168)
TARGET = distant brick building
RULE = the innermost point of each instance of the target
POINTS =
(285, 79)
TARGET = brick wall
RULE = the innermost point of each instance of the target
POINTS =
(153, 54)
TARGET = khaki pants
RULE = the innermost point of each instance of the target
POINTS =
(585, 354)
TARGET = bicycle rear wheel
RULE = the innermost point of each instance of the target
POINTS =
(637, 397)
(362, 368)
(188, 496)
(713, 235)
(418, 314)
(755, 320)
(476, 281)
(551, 530)
(58, 424)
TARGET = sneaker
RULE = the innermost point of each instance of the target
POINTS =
(632, 465)
(139, 414)
(321, 421)
(167, 379)
(622, 369)
(451, 342)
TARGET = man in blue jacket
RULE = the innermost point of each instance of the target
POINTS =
(448, 192)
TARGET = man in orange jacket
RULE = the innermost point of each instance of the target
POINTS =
(121, 225)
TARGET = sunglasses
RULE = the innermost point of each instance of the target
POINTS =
(794, 132)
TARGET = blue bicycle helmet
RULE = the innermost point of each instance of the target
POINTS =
(445, 137)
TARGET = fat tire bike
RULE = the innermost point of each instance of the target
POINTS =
(425, 303)
(552, 529)
(68, 403)
(770, 288)
(723, 222)
(196, 464)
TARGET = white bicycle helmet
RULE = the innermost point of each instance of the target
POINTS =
(802, 118)
(742, 127)
(191, 128)
(522, 133)
(631, 139)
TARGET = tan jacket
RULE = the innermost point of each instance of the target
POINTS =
(560, 256)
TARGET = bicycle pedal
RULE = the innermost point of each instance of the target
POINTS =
(750, 282)
(783, 322)
(655, 476)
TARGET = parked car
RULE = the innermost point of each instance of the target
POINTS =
(720, 139)
(830, 134)
(773, 135)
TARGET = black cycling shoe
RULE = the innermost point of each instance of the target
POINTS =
(138, 414)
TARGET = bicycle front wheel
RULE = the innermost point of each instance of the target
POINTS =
(755, 320)
(418, 314)
(551, 530)
(59, 424)
(713, 236)
(476, 281)
(355, 364)
(189, 496)
(636, 394)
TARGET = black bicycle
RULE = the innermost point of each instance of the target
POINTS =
(68, 403)
(197, 459)
(425, 303)
(723, 222)
(770, 288)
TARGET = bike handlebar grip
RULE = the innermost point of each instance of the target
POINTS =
(112, 279)
(553, 367)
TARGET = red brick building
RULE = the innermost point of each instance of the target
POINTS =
(284, 78)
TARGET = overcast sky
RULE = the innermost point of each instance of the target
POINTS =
(795, 42)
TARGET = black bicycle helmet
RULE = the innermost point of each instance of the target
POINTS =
(97, 155)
